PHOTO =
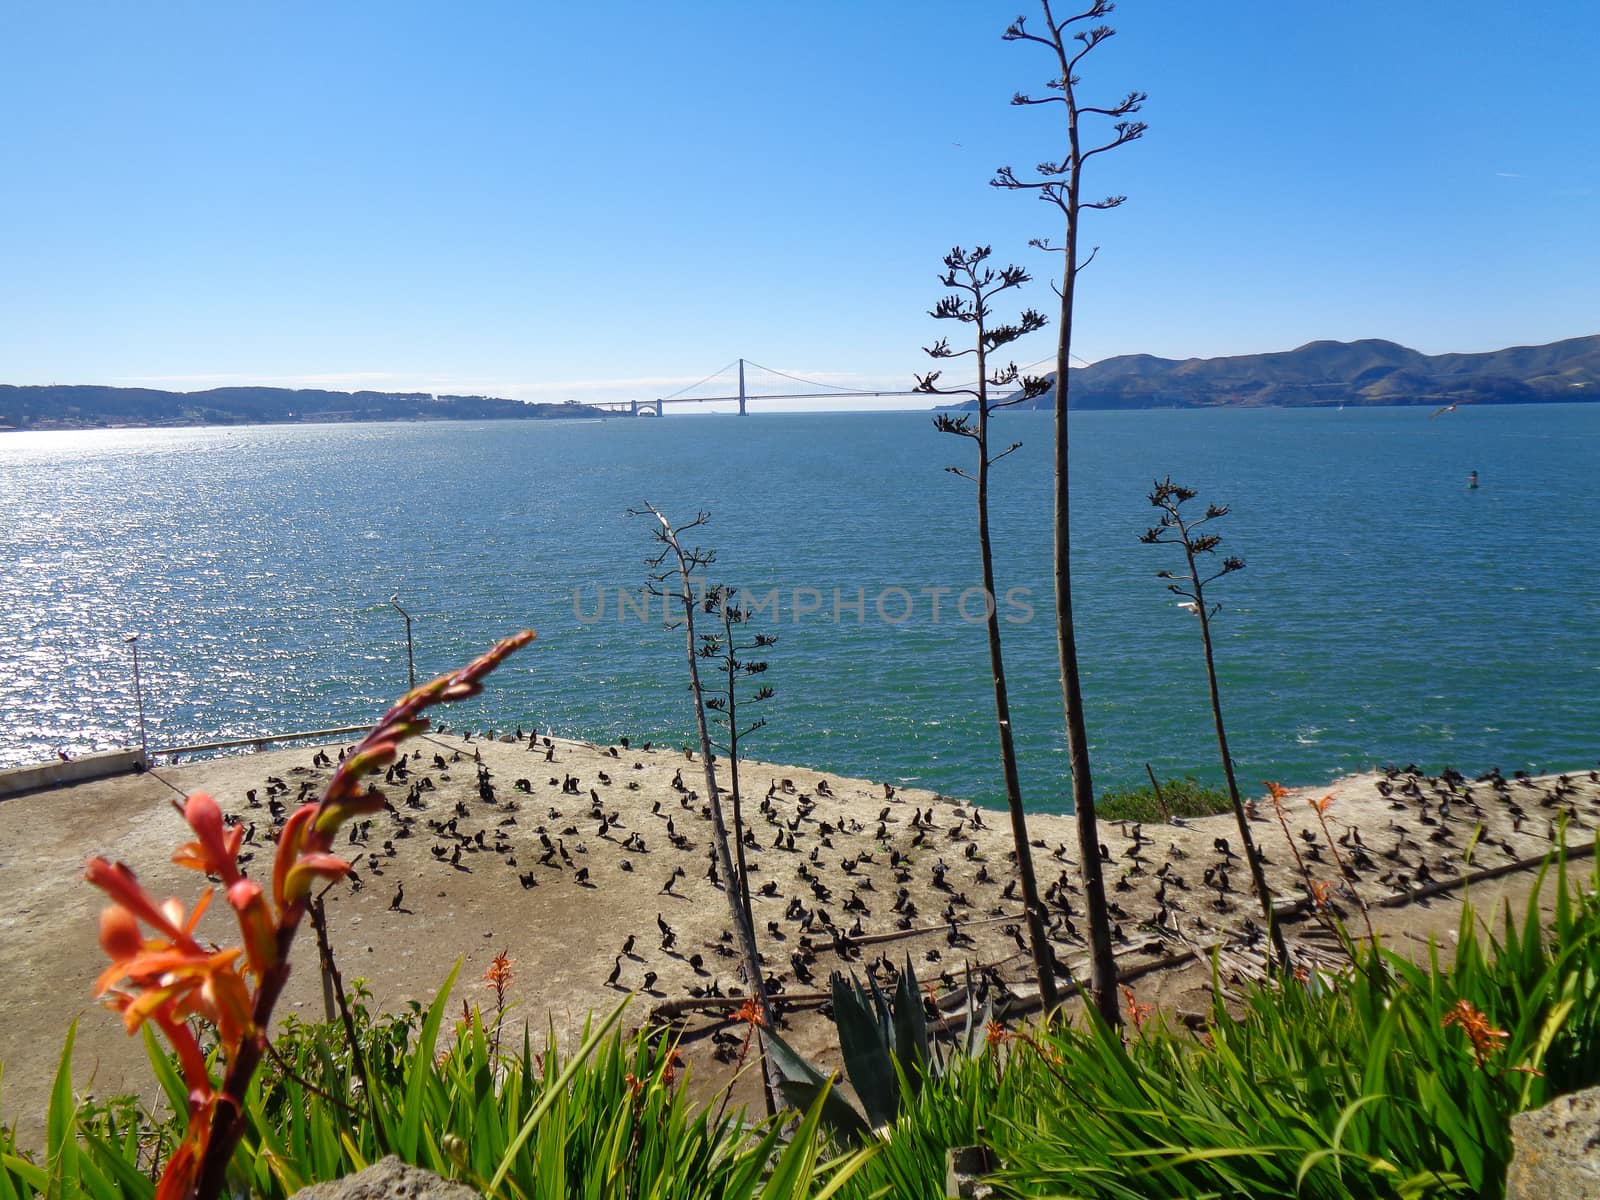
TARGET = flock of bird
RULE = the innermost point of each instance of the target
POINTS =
(609, 851)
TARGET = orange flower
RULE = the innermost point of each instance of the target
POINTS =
(1486, 1040)
(166, 976)
(1137, 1013)
(670, 1071)
(255, 922)
(995, 1033)
(169, 973)
(215, 850)
(1276, 792)
(1321, 805)
(750, 1013)
(1320, 890)
(498, 975)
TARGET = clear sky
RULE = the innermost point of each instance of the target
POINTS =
(572, 201)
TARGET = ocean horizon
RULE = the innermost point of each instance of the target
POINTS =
(1388, 612)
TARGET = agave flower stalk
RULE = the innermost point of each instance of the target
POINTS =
(1175, 528)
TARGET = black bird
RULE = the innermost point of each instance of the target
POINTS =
(627, 946)
(668, 938)
(649, 980)
(399, 898)
(616, 970)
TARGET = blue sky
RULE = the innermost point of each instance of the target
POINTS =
(561, 201)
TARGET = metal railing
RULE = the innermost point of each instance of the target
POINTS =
(257, 742)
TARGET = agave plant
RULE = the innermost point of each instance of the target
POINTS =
(888, 1055)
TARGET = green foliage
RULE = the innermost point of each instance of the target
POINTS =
(1393, 1080)
(1370, 1085)
(1186, 797)
(887, 1055)
(610, 1120)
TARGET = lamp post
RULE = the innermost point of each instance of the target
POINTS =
(411, 662)
(138, 693)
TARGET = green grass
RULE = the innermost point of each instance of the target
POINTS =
(1364, 1085)
(609, 1119)
(1186, 797)
(1361, 1086)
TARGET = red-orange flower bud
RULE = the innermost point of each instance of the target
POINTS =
(307, 870)
(119, 933)
(289, 842)
(255, 922)
(214, 850)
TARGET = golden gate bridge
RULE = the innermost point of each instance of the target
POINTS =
(826, 391)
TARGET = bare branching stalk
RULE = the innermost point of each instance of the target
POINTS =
(1060, 183)
(973, 285)
(672, 573)
(1175, 529)
(358, 1058)
(723, 651)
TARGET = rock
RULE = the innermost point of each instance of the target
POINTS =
(1556, 1150)
(388, 1179)
(964, 1171)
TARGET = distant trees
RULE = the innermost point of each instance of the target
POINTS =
(1060, 182)
(81, 407)
(974, 284)
(672, 573)
(1174, 528)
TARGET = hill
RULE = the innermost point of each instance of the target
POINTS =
(87, 407)
(1323, 374)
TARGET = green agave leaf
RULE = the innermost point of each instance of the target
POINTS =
(910, 1029)
(863, 1042)
(803, 1086)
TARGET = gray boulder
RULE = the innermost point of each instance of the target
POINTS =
(1556, 1150)
(388, 1179)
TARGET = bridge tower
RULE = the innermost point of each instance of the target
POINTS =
(741, 387)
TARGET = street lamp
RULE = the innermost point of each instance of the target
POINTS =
(411, 662)
(138, 694)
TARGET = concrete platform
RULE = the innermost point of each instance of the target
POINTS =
(20, 780)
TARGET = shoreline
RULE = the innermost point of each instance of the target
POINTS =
(565, 932)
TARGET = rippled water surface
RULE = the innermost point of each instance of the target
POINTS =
(1386, 613)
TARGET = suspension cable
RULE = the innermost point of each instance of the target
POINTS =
(812, 382)
(707, 379)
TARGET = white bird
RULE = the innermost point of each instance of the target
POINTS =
(1189, 606)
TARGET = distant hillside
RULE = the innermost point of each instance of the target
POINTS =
(1320, 374)
(85, 407)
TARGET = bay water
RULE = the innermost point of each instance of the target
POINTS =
(1387, 612)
